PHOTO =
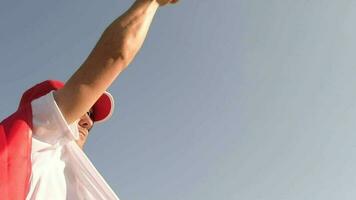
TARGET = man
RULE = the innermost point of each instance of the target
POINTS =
(40, 155)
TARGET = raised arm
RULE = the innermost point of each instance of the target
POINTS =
(114, 51)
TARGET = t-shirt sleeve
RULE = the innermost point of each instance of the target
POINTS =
(49, 124)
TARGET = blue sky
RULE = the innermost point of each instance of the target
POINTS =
(233, 99)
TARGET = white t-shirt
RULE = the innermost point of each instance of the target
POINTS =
(60, 169)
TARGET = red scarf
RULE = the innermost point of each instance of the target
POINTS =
(15, 144)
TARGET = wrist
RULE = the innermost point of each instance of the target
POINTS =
(152, 2)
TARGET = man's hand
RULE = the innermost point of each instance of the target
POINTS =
(164, 2)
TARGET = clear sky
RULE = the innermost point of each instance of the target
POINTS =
(230, 100)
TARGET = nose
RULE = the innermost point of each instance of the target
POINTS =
(86, 122)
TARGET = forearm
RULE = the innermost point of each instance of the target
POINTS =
(116, 48)
(123, 38)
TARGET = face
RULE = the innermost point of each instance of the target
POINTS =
(84, 125)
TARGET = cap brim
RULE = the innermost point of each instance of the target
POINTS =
(103, 108)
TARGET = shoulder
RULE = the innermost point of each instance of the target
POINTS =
(39, 90)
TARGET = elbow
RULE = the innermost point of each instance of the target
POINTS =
(124, 49)
(121, 46)
(124, 53)
(117, 45)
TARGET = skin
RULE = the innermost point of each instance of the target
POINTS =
(85, 124)
(114, 51)
(116, 48)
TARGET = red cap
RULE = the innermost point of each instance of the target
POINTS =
(102, 109)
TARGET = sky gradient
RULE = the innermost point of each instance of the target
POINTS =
(230, 100)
